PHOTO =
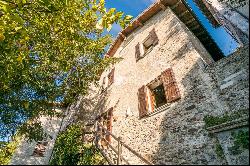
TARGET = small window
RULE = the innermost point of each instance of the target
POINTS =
(153, 96)
(128, 40)
(40, 149)
(159, 96)
(111, 77)
(147, 45)
(156, 94)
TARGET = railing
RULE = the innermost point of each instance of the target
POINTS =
(118, 151)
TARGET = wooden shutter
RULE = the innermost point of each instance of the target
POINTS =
(152, 100)
(137, 52)
(142, 101)
(111, 76)
(170, 86)
(109, 123)
(154, 37)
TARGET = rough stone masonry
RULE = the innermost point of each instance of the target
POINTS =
(176, 134)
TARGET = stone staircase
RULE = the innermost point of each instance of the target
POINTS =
(115, 152)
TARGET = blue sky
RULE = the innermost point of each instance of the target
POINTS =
(135, 7)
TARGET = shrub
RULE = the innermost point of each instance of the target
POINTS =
(70, 150)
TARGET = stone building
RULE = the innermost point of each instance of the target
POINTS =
(174, 97)
(38, 153)
(232, 14)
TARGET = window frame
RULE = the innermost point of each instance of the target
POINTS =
(171, 89)
(154, 41)
(158, 81)
(106, 80)
(150, 48)
(40, 149)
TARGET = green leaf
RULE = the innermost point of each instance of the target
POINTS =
(111, 11)
(26, 105)
(17, 28)
(17, 18)
(128, 17)
(2, 37)
(19, 59)
(5, 8)
(119, 15)
(2, 3)
(109, 27)
(99, 24)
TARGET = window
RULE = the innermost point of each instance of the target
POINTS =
(148, 44)
(40, 149)
(157, 93)
(111, 77)
(107, 80)
(127, 40)
(159, 96)
(105, 119)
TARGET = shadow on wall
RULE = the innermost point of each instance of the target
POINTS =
(183, 137)
(89, 107)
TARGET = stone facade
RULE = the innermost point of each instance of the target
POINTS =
(241, 6)
(230, 79)
(234, 16)
(24, 154)
(176, 135)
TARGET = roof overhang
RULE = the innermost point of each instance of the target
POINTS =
(183, 12)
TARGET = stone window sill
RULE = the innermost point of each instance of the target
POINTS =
(148, 51)
(159, 110)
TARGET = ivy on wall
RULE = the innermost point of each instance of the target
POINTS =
(216, 120)
(218, 150)
(69, 149)
(241, 142)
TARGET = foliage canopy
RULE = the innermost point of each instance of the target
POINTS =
(50, 52)
(7, 149)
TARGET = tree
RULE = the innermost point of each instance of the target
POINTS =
(7, 149)
(70, 149)
(50, 52)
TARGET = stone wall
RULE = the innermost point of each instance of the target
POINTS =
(177, 134)
(232, 15)
(226, 141)
(24, 152)
(230, 78)
(241, 6)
